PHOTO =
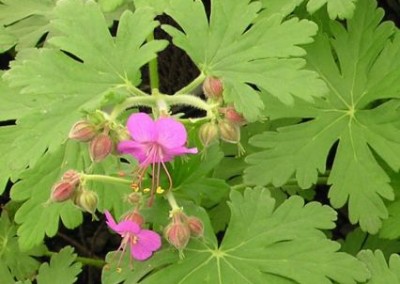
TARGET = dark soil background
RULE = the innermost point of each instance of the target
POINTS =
(92, 239)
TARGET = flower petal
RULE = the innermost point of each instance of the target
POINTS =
(137, 150)
(139, 252)
(179, 151)
(170, 133)
(141, 127)
(149, 239)
(122, 227)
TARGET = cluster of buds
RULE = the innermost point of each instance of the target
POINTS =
(228, 122)
(70, 188)
(181, 228)
(101, 134)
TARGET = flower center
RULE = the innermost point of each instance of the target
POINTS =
(155, 153)
(133, 239)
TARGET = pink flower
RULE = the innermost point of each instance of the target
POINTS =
(155, 141)
(142, 242)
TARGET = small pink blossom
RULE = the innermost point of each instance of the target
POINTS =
(142, 242)
(155, 141)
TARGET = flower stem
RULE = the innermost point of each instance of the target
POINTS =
(153, 68)
(172, 201)
(188, 100)
(192, 85)
(132, 102)
(104, 178)
(153, 101)
(84, 260)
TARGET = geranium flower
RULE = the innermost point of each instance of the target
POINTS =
(142, 243)
(154, 143)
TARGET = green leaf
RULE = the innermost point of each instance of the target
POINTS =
(110, 5)
(71, 86)
(38, 218)
(7, 40)
(381, 272)
(159, 6)
(357, 116)
(227, 47)
(336, 8)
(26, 20)
(342, 9)
(391, 226)
(62, 265)
(358, 240)
(266, 245)
(13, 261)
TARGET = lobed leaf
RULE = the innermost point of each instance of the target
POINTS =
(89, 64)
(241, 52)
(381, 272)
(62, 265)
(265, 245)
(352, 121)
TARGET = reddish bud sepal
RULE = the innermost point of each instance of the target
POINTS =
(100, 147)
(232, 115)
(196, 226)
(135, 217)
(208, 133)
(229, 131)
(72, 177)
(62, 191)
(213, 88)
(82, 131)
(177, 234)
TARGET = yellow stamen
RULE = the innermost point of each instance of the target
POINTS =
(135, 187)
(159, 190)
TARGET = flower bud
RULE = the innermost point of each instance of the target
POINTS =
(177, 234)
(208, 133)
(232, 115)
(87, 200)
(62, 191)
(229, 132)
(100, 147)
(213, 88)
(135, 217)
(82, 131)
(196, 226)
(72, 177)
(134, 198)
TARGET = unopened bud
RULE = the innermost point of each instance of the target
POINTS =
(232, 115)
(82, 131)
(208, 133)
(135, 217)
(100, 147)
(177, 234)
(134, 198)
(196, 226)
(229, 132)
(62, 191)
(87, 200)
(213, 88)
(72, 177)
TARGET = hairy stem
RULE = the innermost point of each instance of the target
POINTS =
(104, 178)
(153, 101)
(192, 85)
(172, 201)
